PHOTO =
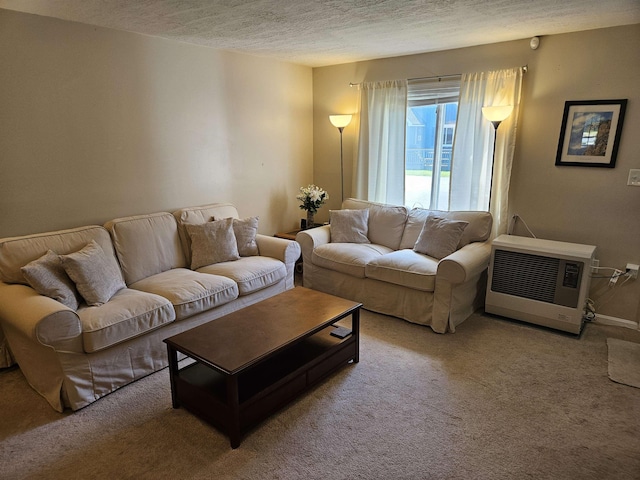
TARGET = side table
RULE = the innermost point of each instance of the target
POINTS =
(288, 235)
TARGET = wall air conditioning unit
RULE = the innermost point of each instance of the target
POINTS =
(539, 281)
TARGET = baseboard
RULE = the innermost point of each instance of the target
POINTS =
(615, 321)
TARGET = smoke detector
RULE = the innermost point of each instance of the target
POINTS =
(534, 43)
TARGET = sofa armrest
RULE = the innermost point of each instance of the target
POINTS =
(40, 332)
(278, 248)
(38, 319)
(312, 238)
(465, 263)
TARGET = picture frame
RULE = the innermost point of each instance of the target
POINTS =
(590, 133)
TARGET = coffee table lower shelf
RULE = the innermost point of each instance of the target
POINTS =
(236, 403)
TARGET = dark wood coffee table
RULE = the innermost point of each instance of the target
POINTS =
(252, 362)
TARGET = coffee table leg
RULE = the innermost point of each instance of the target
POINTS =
(355, 326)
(233, 402)
(173, 375)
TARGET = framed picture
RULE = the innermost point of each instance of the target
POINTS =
(590, 133)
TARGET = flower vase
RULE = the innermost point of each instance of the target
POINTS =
(310, 219)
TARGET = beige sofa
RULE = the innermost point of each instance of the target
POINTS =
(73, 357)
(389, 277)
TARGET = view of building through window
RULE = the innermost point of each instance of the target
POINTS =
(430, 132)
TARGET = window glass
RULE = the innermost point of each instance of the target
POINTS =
(430, 132)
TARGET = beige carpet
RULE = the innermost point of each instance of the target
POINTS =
(495, 400)
(624, 362)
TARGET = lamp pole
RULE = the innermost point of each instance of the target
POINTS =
(496, 124)
(341, 121)
(341, 129)
(495, 114)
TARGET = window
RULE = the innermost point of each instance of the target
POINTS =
(432, 107)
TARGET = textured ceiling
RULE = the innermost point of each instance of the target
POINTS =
(326, 32)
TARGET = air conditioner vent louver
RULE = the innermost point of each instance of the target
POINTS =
(525, 275)
(539, 281)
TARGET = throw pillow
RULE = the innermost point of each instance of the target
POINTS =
(47, 276)
(439, 237)
(245, 231)
(349, 226)
(212, 242)
(96, 278)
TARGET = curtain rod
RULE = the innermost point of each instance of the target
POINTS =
(525, 69)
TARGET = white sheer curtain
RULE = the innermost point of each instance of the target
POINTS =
(471, 169)
(379, 166)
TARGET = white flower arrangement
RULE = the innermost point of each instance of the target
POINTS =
(312, 198)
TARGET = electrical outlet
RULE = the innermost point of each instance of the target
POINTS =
(634, 177)
(632, 270)
(595, 263)
(614, 277)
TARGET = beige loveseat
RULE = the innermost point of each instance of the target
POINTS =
(382, 270)
(71, 356)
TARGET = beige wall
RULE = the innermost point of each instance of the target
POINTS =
(98, 123)
(575, 204)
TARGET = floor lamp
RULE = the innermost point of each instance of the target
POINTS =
(341, 121)
(495, 115)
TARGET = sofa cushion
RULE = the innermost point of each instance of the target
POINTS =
(386, 225)
(349, 258)
(349, 226)
(47, 277)
(128, 314)
(245, 231)
(406, 268)
(212, 242)
(440, 237)
(250, 273)
(200, 214)
(478, 230)
(189, 292)
(16, 252)
(386, 222)
(146, 245)
(96, 278)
